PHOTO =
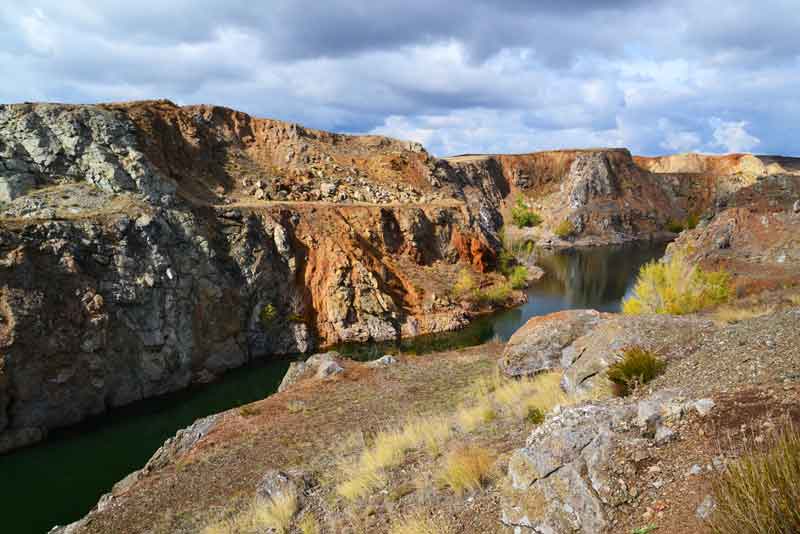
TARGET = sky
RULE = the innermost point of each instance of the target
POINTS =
(474, 76)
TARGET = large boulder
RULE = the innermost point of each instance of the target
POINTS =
(589, 356)
(561, 480)
(539, 345)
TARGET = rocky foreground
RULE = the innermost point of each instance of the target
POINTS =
(145, 246)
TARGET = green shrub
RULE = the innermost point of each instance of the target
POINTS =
(677, 287)
(465, 284)
(692, 221)
(296, 318)
(523, 216)
(268, 314)
(564, 229)
(535, 416)
(760, 492)
(505, 262)
(638, 366)
(518, 278)
(494, 295)
(674, 226)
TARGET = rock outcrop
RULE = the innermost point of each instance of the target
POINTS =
(135, 258)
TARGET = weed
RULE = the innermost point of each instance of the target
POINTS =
(467, 468)
(759, 492)
(637, 366)
(564, 229)
(535, 416)
(676, 287)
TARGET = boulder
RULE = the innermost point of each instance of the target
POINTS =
(540, 344)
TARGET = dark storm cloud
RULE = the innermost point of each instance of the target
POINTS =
(513, 75)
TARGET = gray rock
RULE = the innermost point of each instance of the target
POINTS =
(664, 435)
(15, 185)
(703, 406)
(328, 369)
(705, 508)
(541, 344)
(384, 361)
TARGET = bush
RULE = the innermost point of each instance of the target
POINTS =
(268, 314)
(535, 416)
(467, 468)
(691, 221)
(638, 366)
(676, 287)
(564, 229)
(760, 492)
(495, 295)
(518, 278)
(523, 216)
(465, 283)
(674, 226)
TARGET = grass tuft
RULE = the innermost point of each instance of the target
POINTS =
(677, 287)
(730, 314)
(541, 392)
(564, 229)
(760, 492)
(422, 523)
(467, 468)
(471, 417)
(518, 277)
(638, 366)
(275, 514)
(309, 525)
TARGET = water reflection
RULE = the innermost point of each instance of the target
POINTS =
(597, 278)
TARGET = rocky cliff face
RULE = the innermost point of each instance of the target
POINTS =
(146, 246)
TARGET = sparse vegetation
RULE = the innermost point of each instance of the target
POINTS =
(471, 417)
(731, 314)
(523, 216)
(677, 287)
(268, 314)
(422, 523)
(638, 366)
(564, 229)
(465, 284)
(261, 514)
(675, 226)
(494, 295)
(467, 468)
(541, 392)
(309, 525)
(249, 410)
(760, 492)
(518, 278)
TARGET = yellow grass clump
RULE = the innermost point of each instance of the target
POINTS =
(730, 314)
(275, 513)
(677, 287)
(422, 523)
(541, 392)
(466, 468)
(470, 418)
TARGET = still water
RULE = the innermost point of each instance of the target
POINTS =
(58, 481)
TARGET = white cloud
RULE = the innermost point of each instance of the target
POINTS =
(732, 136)
(677, 140)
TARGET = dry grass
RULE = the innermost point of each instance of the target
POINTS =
(467, 468)
(276, 513)
(541, 392)
(760, 492)
(731, 314)
(795, 300)
(309, 525)
(422, 523)
(469, 418)
(677, 287)
(388, 450)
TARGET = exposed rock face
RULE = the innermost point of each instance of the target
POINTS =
(584, 343)
(570, 476)
(122, 278)
(755, 238)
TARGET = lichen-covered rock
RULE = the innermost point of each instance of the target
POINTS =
(586, 359)
(539, 345)
(561, 481)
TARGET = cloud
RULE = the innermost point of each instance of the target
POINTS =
(732, 136)
(493, 75)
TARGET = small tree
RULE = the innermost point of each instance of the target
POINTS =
(523, 216)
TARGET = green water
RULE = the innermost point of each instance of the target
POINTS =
(60, 480)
